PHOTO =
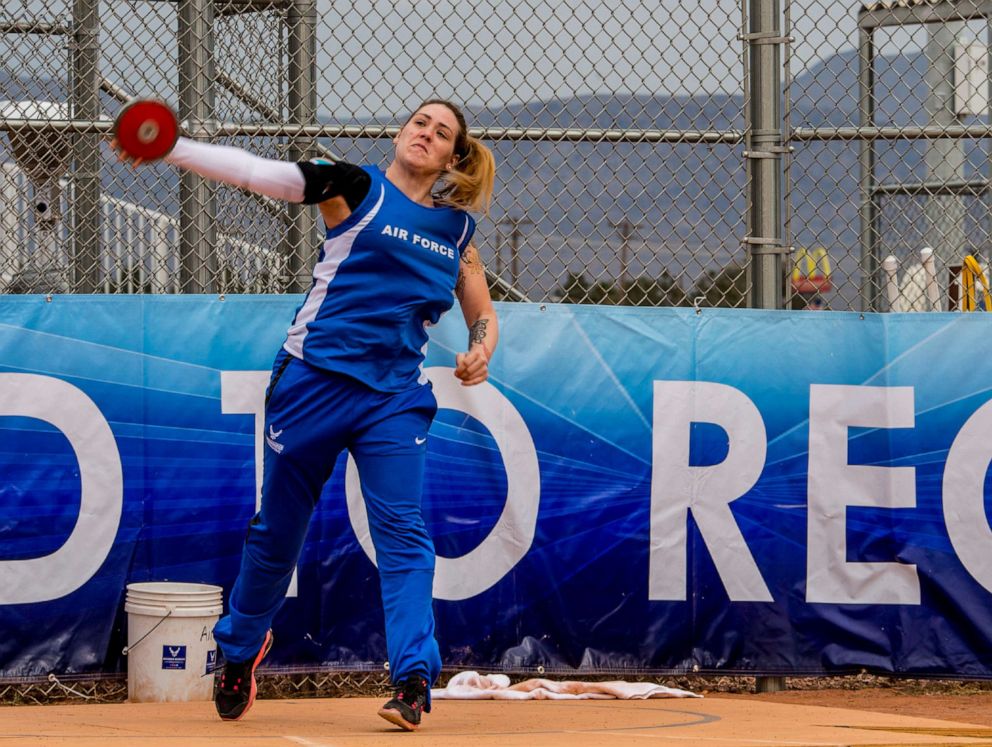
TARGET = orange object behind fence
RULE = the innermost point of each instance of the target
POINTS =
(971, 273)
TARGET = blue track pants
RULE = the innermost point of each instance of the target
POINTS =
(311, 415)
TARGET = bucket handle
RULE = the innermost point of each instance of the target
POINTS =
(127, 649)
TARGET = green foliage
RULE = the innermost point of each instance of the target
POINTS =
(641, 291)
(726, 287)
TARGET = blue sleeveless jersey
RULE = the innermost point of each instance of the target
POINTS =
(384, 274)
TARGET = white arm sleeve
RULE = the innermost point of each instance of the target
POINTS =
(280, 180)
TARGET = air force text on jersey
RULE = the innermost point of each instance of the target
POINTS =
(405, 235)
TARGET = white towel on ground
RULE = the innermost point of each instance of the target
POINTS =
(475, 686)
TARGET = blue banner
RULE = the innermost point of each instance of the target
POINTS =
(638, 489)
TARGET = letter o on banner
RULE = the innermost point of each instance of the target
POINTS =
(101, 479)
(511, 537)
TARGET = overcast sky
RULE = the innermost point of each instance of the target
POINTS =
(377, 56)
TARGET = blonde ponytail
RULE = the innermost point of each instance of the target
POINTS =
(469, 185)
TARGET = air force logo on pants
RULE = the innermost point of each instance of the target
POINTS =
(270, 439)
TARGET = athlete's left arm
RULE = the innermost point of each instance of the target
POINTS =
(472, 290)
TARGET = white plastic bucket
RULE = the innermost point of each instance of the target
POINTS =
(171, 651)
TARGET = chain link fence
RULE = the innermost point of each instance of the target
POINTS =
(616, 128)
(888, 120)
(632, 167)
(274, 683)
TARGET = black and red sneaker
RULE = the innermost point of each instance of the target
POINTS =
(234, 684)
(408, 703)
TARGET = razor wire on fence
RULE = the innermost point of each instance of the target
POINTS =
(764, 152)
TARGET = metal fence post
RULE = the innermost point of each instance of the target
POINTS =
(944, 158)
(11, 253)
(301, 28)
(868, 210)
(764, 143)
(197, 197)
(85, 63)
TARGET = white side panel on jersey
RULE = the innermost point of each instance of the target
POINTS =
(422, 379)
(461, 239)
(336, 251)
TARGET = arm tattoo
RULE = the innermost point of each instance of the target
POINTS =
(471, 262)
(477, 332)
(470, 265)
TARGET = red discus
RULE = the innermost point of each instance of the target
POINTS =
(146, 129)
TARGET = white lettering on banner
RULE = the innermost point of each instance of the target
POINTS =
(834, 485)
(510, 539)
(243, 393)
(964, 495)
(101, 483)
(677, 487)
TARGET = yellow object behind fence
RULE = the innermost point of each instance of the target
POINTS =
(971, 272)
(811, 271)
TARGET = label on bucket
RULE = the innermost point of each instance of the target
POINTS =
(173, 657)
(211, 661)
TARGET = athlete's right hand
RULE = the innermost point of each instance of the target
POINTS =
(472, 367)
(124, 157)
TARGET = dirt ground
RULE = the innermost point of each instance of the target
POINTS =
(859, 710)
(969, 702)
(720, 720)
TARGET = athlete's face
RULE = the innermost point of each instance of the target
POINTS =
(426, 143)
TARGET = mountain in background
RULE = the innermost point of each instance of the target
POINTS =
(685, 202)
